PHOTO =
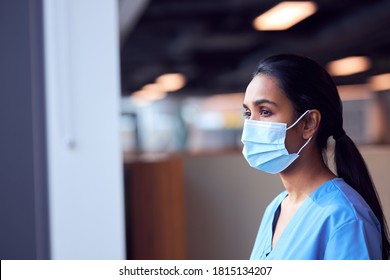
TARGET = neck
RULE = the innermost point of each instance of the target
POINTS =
(305, 175)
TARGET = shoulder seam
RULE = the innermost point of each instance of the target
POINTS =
(350, 205)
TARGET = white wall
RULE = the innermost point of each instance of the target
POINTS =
(225, 200)
(84, 156)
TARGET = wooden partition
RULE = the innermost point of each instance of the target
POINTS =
(155, 215)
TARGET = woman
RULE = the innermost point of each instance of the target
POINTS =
(292, 107)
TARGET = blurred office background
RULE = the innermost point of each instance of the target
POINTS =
(121, 120)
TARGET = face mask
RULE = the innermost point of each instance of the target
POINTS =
(264, 147)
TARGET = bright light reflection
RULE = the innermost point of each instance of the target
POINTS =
(349, 65)
(284, 15)
(380, 82)
(148, 94)
(171, 81)
(355, 92)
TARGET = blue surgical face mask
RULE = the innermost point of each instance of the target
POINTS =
(264, 147)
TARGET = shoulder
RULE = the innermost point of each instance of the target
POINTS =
(353, 230)
(342, 204)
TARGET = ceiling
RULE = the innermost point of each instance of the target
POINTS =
(213, 43)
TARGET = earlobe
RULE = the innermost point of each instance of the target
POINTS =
(312, 123)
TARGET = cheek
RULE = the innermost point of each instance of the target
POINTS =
(293, 142)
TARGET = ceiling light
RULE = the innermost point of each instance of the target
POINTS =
(171, 81)
(349, 65)
(355, 92)
(380, 82)
(149, 93)
(153, 88)
(284, 15)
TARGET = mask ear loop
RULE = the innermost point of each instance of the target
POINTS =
(307, 142)
(298, 119)
(304, 145)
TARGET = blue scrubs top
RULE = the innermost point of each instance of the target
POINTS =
(333, 223)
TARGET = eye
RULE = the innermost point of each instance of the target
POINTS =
(247, 113)
(265, 112)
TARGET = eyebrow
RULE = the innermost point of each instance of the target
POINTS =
(261, 101)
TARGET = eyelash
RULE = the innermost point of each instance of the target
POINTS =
(267, 112)
(247, 114)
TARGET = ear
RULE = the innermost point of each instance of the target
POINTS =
(311, 124)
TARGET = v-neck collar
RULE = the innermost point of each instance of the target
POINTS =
(264, 249)
(268, 250)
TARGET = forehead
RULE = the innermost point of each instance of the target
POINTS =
(264, 87)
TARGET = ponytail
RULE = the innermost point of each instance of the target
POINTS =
(351, 167)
